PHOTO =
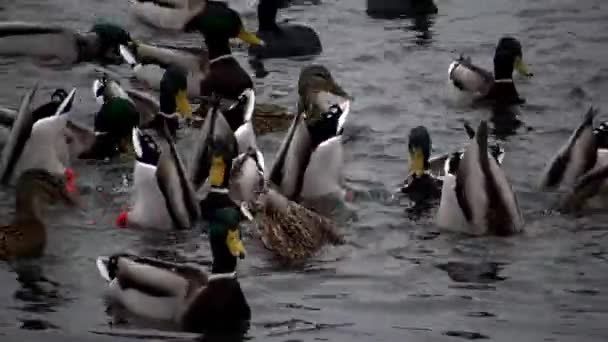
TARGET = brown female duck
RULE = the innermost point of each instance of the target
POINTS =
(26, 235)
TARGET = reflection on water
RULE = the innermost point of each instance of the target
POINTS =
(422, 25)
(38, 294)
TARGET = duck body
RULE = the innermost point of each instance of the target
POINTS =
(181, 293)
(289, 230)
(310, 160)
(425, 181)
(282, 40)
(476, 197)
(497, 88)
(163, 197)
(584, 151)
(184, 293)
(48, 143)
(398, 8)
(26, 236)
(167, 14)
(53, 42)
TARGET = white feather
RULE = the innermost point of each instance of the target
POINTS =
(127, 55)
(449, 215)
(345, 106)
(102, 268)
(149, 207)
(136, 142)
(65, 102)
(323, 175)
(97, 84)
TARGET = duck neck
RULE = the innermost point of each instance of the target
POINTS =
(217, 47)
(27, 206)
(223, 260)
(503, 66)
(267, 15)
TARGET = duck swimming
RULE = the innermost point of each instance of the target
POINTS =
(184, 293)
(426, 174)
(282, 40)
(162, 196)
(26, 235)
(498, 87)
(288, 229)
(309, 162)
(216, 71)
(48, 143)
(53, 42)
(476, 197)
(585, 150)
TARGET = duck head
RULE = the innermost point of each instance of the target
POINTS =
(419, 147)
(218, 23)
(509, 56)
(101, 43)
(225, 238)
(314, 82)
(113, 126)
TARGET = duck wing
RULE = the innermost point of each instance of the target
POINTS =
(589, 185)
(292, 231)
(175, 185)
(147, 106)
(292, 158)
(39, 40)
(171, 17)
(577, 156)
(18, 136)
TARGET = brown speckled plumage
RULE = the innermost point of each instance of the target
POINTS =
(292, 231)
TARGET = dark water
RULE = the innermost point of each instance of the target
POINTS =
(397, 279)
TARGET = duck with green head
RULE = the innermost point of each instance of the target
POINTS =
(184, 293)
(171, 105)
(53, 42)
(217, 71)
(498, 87)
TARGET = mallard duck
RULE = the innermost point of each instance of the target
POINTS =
(173, 99)
(45, 41)
(309, 162)
(585, 150)
(497, 87)
(163, 197)
(26, 235)
(184, 293)
(48, 143)
(591, 189)
(426, 174)
(291, 231)
(215, 71)
(317, 90)
(476, 197)
(282, 40)
(223, 137)
(398, 8)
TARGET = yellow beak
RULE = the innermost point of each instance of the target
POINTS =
(416, 161)
(218, 169)
(249, 37)
(183, 106)
(234, 243)
(521, 67)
